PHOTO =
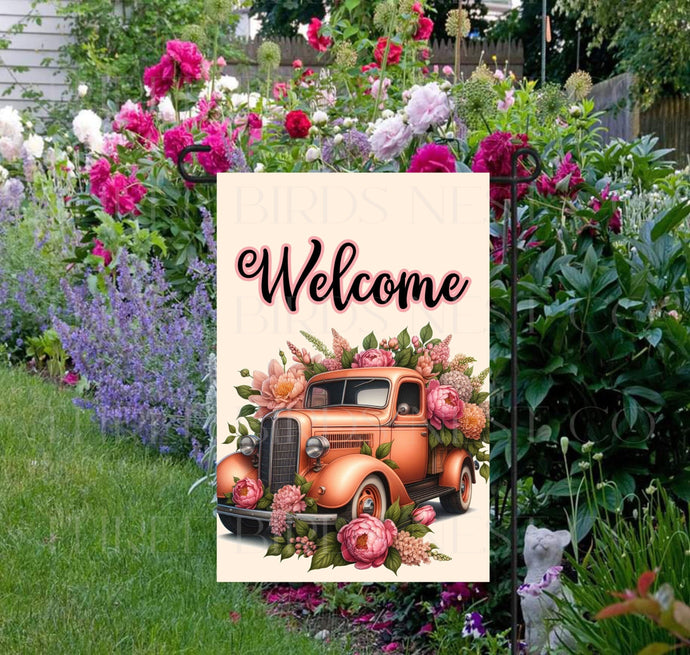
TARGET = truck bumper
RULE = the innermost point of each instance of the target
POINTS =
(265, 515)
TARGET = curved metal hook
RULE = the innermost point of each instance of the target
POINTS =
(530, 153)
(196, 179)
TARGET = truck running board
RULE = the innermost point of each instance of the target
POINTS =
(427, 489)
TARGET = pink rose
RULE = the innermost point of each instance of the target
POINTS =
(247, 493)
(373, 357)
(444, 406)
(366, 540)
(432, 158)
(175, 140)
(99, 250)
(424, 515)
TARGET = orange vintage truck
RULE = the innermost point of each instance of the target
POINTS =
(322, 442)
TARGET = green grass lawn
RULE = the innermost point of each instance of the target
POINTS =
(102, 550)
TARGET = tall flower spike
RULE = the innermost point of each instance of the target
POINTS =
(340, 345)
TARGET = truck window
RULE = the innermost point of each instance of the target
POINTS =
(409, 395)
(362, 392)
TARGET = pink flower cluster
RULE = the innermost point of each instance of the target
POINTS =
(366, 540)
(181, 64)
(425, 26)
(118, 193)
(565, 182)
(133, 118)
(494, 157)
(287, 500)
(596, 204)
(444, 406)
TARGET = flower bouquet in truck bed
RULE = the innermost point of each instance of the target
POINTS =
(338, 452)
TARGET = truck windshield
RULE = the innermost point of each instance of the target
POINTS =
(364, 392)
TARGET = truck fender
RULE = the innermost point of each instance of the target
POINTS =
(233, 466)
(341, 478)
(452, 465)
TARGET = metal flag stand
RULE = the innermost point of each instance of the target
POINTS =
(513, 180)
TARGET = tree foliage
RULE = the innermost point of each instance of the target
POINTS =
(283, 17)
(649, 39)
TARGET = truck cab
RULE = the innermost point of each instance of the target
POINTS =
(362, 440)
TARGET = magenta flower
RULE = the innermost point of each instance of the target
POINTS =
(133, 118)
(175, 140)
(373, 357)
(247, 493)
(190, 62)
(595, 204)
(99, 173)
(121, 193)
(425, 27)
(71, 378)
(99, 250)
(444, 406)
(319, 43)
(565, 182)
(424, 515)
(366, 540)
(432, 158)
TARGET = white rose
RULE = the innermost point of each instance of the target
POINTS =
(82, 90)
(34, 146)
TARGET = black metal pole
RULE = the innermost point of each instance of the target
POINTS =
(514, 180)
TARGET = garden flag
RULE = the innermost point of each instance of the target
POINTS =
(353, 349)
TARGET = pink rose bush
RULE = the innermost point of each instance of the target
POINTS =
(247, 492)
(366, 540)
(444, 407)
(279, 389)
(373, 357)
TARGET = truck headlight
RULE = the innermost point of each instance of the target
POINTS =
(317, 446)
(248, 444)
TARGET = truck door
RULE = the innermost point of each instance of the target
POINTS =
(410, 432)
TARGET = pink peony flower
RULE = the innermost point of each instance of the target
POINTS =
(366, 540)
(432, 158)
(320, 43)
(297, 63)
(289, 498)
(247, 493)
(565, 182)
(161, 77)
(99, 250)
(279, 389)
(444, 406)
(111, 142)
(175, 140)
(494, 156)
(373, 357)
(218, 160)
(424, 515)
(390, 647)
(121, 193)
(394, 51)
(595, 204)
(448, 70)
(425, 27)
(280, 90)
(99, 173)
(390, 137)
(508, 100)
(133, 118)
(428, 106)
(191, 65)
(71, 378)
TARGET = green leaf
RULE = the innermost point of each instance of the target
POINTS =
(537, 390)
(305, 488)
(244, 391)
(322, 559)
(288, 551)
(657, 648)
(370, 341)
(393, 512)
(231, 428)
(426, 333)
(299, 480)
(348, 357)
(264, 503)
(254, 424)
(669, 219)
(384, 450)
(417, 529)
(644, 392)
(340, 524)
(403, 339)
(301, 528)
(393, 560)
(247, 410)
(391, 463)
(242, 429)
(484, 471)
(403, 357)
(274, 549)
(365, 449)
(229, 439)
(446, 436)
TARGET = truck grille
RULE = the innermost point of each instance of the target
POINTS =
(349, 440)
(279, 452)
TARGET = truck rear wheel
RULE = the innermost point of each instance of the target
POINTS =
(458, 502)
(242, 527)
(370, 498)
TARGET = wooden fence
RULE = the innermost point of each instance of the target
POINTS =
(442, 53)
(668, 118)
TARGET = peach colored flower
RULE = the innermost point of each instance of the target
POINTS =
(425, 366)
(247, 493)
(279, 389)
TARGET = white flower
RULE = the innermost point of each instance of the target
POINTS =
(445, 85)
(586, 447)
(597, 457)
(226, 83)
(82, 90)
(29, 125)
(259, 168)
(387, 113)
(313, 153)
(314, 131)
(337, 139)
(347, 123)
(87, 128)
(166, 110)
(11, 130)
(319, 117)
(390, 137)
(34, 146)
(4, 174)
(428, 107)
(248, 99)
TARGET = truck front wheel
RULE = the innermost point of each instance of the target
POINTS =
(370, 498)
(242, 527)
(458, 502)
